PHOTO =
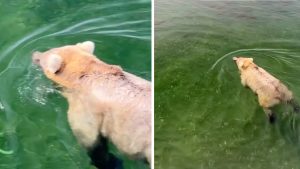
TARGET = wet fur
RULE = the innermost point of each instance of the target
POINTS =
(103, 99)
(270, 90)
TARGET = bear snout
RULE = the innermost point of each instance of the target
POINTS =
(36, 58)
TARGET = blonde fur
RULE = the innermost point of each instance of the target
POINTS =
(270, 90)
(102, 99)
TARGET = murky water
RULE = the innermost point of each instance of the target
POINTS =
(34, 132)
(204, 118)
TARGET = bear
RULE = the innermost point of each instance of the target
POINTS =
(104, 101)
(270, 90)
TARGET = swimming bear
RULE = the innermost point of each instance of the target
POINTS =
(270, 90)
(105, 102)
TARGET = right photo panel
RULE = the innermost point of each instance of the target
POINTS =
(227, 84)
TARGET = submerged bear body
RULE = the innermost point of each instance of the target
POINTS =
(270, 90)
(103, 99)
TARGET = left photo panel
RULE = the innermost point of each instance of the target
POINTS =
(76, 84)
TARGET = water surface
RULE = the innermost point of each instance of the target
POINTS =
(204, 118)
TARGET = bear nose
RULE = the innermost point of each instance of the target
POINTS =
(36, 57)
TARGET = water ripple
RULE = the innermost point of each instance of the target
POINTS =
(244, 50)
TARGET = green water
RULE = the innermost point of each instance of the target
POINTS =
(204, 118)
(34, 132)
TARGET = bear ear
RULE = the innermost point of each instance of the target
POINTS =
(87, 46)
(54, 63)
(247, 62)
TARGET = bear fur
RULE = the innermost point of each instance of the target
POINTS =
(270, 90)
(103, 99)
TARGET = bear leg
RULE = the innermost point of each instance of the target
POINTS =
(101, 158)
(270, 115)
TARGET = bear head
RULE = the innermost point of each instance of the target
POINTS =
(68, 64)
(243, 62)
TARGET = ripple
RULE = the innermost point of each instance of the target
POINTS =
(127, 23)
(34, 88)
(1, 106)
(6, 152)
(234, 53)
(2, 151)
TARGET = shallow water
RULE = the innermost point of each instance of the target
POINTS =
(34, 132)
(204, 118)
